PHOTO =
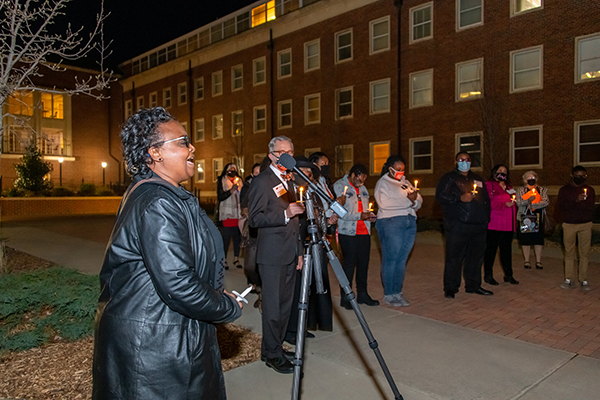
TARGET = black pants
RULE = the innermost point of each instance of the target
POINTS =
(277, 298)
(250, 266)
(228, 233)
(356, 251)
(494, 240)
(465, 247)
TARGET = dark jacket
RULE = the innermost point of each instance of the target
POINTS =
(449, 189)
(161, 294)
(572, 210)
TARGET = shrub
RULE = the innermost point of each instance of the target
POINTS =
(87, 189)
(105, 192)
(61, 192)
(13, 192)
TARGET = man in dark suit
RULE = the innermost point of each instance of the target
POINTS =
(273, 210)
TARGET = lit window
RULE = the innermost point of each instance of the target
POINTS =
(343, 41)
(237, 123)
(263, 13)
(167, 98)
(421, 22)
(526, 69)
(521, 6)
(153, 102)
(260, 119)
(469, 83)
(471, 143)
(588, 57)
(199, 130)
(20, 103)
(421, 154)
(587, 142)
(344, 159)
(344, 103)
(526, 147)
(380, 96)
(284, 61)
(200, 168)
(217, 168)
(217, 83)
(312, 107)
(380, 35)
(312, 57)
(259, 71)
(285, 114)
(199, 89)
(421, 89)
(217, 126)
(182, 93)
(379, 153)
(52, 105)
(469, 13)
(237, 77)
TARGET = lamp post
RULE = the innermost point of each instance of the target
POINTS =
(60, 161)
(104, 164)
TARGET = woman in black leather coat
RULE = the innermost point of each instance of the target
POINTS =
(162, 277)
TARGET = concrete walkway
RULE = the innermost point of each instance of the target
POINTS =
(435, 349)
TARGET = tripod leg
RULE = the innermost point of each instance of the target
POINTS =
(302, 319)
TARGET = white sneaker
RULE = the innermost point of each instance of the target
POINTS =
(392, 300)
(567, 284)
(400, 299)
(585, 286)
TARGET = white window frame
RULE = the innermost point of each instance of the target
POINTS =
(481, 146)
(372, 98)
(412, 154)
(307, 57)
(167, 99)
(256, 71)
(372, 170)
(338, 104)
(576, 154)
(182, 94)
(311, 150)
(199, 89)
(217, 87)
(217, 166)
(256, 119)
(200, 164)
(515, 53)
(540, 148)
(479, 62)
(215, 131)
(139, 103)
(279, 115)
(199, 126)
(372, 37)
(128, 108)
(458, 19)
(412, 22)
(234, 125)
(338, 48)
(514, 12)
(307, 111)
(338, 172)
(153, 99)
(578, 72)
(184, 124)
(280, 65)
(412, 91)
(235, 81)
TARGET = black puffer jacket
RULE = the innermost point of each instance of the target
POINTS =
(161, 295)
(449, 189)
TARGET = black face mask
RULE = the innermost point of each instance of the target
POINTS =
(325, 171)
(578, 180)
(232, 174)
(531, 182)
(501, 176)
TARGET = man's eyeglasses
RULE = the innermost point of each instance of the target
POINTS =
(185, 139)
(278, 153)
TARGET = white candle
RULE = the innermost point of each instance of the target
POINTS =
(345, 188)
(370, 206)
(474, 189)
(301, 193)
(416, 182)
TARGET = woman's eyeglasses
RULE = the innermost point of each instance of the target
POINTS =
(185, 139)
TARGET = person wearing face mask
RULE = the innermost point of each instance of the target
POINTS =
(228, 196)
(398, 202)
(576, 205)
(532, 199)
(501, 226)
(466, 206)
(354, 232)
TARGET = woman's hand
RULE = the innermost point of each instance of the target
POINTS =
(412, 196)
(341, 200)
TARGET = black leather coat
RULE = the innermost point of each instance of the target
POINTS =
(161, 295)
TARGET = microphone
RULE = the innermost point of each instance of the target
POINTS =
(289, 163)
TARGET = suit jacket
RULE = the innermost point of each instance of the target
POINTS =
(278, 243)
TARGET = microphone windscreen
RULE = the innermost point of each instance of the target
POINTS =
(287, 161)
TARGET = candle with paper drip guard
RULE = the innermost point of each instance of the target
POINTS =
(345, 189)
(474, 192)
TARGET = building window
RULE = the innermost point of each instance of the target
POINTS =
(526, 147)
(587, 50)
(199, 130)
(521, 6)
(587, 142)
(259, 157)
(378, 155)
(182, 94)
(311, 150)
(217, 168)
(380, 96)
(471, 143)
(312, 55)
(237, 123)
(199, 89)
(153, 100)
(421, 154)
(421, 22)
(259, 71)
(421, 89)
(217, 126)
(263, 13)
(285, 114)
(167, 98)
(21, 103)
(284, 63)
(344, 159)
(260, 119)
(128, 108)
(344, 99)
(312, 107)
(139, 103)
(469, 80)
(343, 43)
(200, 168)
(185, 126)
(237, 77)
(526, 69)
(53, 105)
(379, 31)
(217, 83)
(469, 13)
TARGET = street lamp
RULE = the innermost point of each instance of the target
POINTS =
(104, 164)
(60, 161)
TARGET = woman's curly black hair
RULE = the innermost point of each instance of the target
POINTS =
(138, 133)
(393, 159)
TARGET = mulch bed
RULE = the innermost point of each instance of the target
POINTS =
(64, 370)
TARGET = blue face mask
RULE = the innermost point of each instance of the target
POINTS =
(464, 166)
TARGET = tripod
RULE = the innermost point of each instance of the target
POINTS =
(312, 261)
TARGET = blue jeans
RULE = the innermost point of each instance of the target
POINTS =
(397, 238)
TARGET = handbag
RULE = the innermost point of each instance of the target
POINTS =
(529, 222)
